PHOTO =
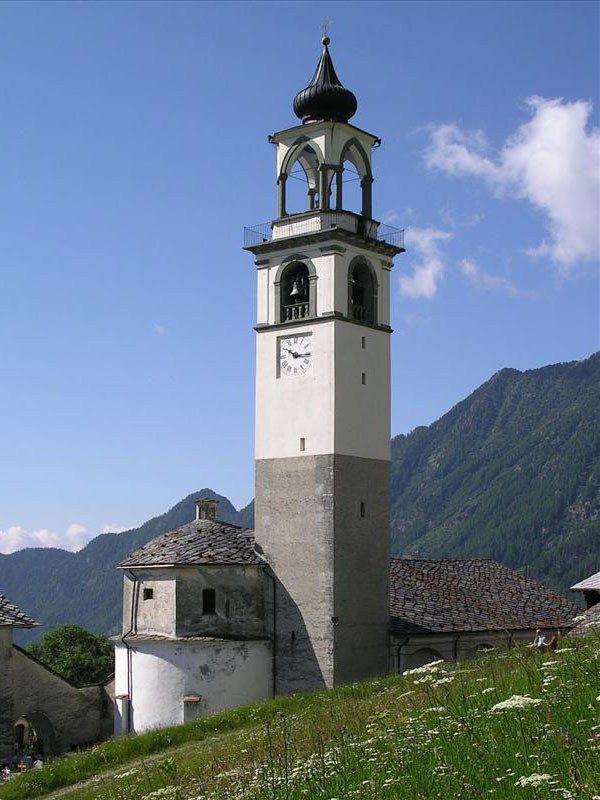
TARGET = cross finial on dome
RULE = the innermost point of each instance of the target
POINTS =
(325, 99)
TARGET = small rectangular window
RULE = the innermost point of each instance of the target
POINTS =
(364, 342)
(364, 379)
(192, 707)
(302, 444)
(363, 509)
(148, 594)
(209, 601)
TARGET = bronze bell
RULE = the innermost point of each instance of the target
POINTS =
(295, 289)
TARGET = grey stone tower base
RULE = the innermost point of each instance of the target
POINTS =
(323, 525)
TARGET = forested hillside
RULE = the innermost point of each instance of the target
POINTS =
(510, 473)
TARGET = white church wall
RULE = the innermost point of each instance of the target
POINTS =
(357, 403)
(224, 674)
(279, 426)
(155, 612)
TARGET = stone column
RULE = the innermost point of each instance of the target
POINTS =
(365, 185)
(323, 187)
(281, 212)
(338, 188)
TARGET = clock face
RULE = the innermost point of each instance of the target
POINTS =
(295, 354)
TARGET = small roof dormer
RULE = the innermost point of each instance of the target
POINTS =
(325, 99)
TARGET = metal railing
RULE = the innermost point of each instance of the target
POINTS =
(296, 311)
(320, 221)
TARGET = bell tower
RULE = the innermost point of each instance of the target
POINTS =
(323, 398)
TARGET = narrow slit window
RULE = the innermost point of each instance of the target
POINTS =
(148, 594)
(302, 444)
(364, 342)
(363, 509)
(209, 601)
(364, 378)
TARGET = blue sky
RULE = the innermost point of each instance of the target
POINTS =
(134, 150)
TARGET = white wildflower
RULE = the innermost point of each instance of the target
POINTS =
(534, 780)
(488, 689)
(433, 666)
(441, 681)
(516, 701)
(126, 774)
(166, 791)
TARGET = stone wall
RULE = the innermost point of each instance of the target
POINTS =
(331, 566)
(240, 601)
(69, 716)
(408, 652)
(6, 703)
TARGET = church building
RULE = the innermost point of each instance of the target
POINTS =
(215, 616)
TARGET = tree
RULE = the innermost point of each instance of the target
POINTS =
(77, 655)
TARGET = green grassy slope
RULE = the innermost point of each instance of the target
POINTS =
(434, 732)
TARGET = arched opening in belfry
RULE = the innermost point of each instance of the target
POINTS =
(362, 294)
(354, 180)
(295, 292)
(299, 183)
(34, 736)
(351, 188)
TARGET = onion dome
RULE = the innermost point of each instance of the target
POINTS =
(325, 99)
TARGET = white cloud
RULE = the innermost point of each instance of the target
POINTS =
(16, 537)
(552, 161)
(429, 269)
(159, 329)
(485, 280)
(115, 528)
(415, 320)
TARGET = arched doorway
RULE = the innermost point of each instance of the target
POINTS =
(425, 655)
(34, 735)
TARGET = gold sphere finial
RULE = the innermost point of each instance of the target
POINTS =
(325, 40)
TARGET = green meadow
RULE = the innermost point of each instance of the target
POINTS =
(515, 724)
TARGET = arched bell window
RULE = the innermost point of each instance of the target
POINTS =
(295, 293)
(362, 293)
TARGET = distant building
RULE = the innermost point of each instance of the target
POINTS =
(454, 609)
(589, 620)
(33, 697)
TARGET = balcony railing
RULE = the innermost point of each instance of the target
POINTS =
(295, 311)
(361, 314)
(311, 222)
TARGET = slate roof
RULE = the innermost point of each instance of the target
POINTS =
(591, 584)
(445, 596)
(13, 616)
(203, 541)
